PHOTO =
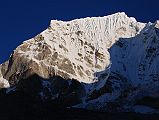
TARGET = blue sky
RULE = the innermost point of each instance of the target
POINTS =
(23, 19)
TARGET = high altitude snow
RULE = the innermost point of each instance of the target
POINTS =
(114, 52)
(82, 42)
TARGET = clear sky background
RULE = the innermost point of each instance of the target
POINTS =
(23, 19)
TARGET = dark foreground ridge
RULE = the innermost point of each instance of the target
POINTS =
(25, 103)
(20, 105)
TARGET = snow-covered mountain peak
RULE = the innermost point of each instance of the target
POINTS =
(75, 49)
(109, 59)
(114, 18)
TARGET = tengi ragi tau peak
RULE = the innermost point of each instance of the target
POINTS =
(108, 63)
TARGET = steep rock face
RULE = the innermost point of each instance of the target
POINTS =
(107, 63)
(72, 49)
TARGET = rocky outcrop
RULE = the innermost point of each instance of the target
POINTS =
(3, 82)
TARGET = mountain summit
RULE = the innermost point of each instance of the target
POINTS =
(105, 63)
